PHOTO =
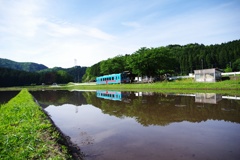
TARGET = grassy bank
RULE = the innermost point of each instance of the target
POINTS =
(27, 133)
(231, 87)
(182, 86)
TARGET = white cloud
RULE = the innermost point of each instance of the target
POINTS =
(57, 30)
(18, 18)
(201, 26)
(30, 32)
(97, 33)
(35, 37)
(131, 24)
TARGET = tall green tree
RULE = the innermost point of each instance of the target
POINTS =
(176, 59)
(236, 65)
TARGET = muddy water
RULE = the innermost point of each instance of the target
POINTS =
(116, 125)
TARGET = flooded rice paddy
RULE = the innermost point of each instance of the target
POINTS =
(109, 125)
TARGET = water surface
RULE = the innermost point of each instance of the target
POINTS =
(5, 96)
(110, 125)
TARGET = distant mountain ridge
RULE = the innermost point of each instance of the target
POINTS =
(22, 66)
(27, 73)
(76, 72)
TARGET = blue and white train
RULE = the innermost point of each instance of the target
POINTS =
(113, 78)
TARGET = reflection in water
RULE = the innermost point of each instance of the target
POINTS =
(58, 98)
(145, 125)
(5, 96)
(163, 109)
(112, 95)
(212, 98)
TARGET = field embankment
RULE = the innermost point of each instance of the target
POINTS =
(230, 86)
(26, 132)
(178, 86)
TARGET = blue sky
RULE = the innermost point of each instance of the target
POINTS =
(56, 32)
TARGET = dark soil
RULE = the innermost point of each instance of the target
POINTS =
(72, 148)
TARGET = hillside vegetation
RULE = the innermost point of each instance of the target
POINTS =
(76, 72)
(155, 62)
(10, 77)
(22, 66)
(172, 59)
(20, 77)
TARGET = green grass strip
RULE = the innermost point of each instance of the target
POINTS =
(26, 132)
(228, 87)
(231, 87)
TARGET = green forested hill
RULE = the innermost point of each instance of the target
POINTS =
(25, 73)
(13, 77)
(76, 72)
(174, 59)
(22, 66)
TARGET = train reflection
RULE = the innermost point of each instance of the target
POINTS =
(111, 95)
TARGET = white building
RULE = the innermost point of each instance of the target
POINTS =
(207, 75)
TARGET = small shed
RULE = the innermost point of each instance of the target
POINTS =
(208, 75)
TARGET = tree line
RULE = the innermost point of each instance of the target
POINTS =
(76, 72)
(172, 59)
(11, 77)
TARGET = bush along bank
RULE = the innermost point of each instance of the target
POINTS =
(26, 132)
